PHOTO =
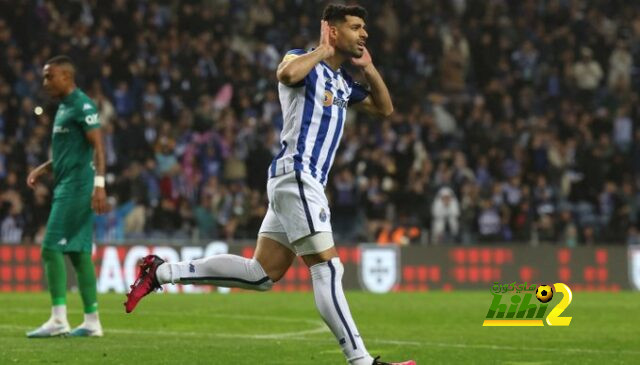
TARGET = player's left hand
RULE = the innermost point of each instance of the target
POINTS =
(99, 201)
(363, 61)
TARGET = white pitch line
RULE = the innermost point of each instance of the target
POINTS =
(281, 336)
(175, 314)
(276, 336)
(298, 336)
(322, 328)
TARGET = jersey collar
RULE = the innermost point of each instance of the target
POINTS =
(333, 72)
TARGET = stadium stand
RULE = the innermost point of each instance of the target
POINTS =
(515, 120)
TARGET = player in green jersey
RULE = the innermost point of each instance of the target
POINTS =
(78, 166)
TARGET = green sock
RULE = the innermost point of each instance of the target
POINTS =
(86, 273)
(56, 273)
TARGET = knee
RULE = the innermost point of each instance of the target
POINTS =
(266, 282)
(265, 286)
(275, 270)
(276, 274)
(48, 255)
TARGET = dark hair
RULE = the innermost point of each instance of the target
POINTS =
(337, 12)
(60, 60)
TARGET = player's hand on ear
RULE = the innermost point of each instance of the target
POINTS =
(363, 61)
(326, 40)
(99, 202)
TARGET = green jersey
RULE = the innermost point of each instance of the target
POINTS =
(73, 169)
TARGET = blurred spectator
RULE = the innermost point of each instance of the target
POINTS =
(12, 222)
(455, 60)
(623, 129)
(588, 74)
(344, 211)
(445, 213)
(12, 225)
(620, 65)
(489, 222)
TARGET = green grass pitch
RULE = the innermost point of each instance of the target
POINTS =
(284, 328)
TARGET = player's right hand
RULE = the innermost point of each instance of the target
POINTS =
(99, 201)
(33, 178)
(326, 40)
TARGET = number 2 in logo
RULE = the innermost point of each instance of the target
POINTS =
(554, 319)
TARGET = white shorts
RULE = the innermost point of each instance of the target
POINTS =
(298, 208)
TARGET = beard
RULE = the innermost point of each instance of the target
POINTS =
(353, 51)
(358, 52)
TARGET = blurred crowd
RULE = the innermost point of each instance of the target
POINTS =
(515, 119)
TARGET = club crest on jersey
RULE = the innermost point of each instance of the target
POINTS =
(323, 216)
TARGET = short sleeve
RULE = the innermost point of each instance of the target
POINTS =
(88, 118)
(291, 55)
(358, 92)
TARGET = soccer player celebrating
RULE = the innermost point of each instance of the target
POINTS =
(314, 93)
(78, 167)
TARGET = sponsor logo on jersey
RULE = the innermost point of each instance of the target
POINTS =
(330, 99)
(340, 103)
(60, 129)
(86, 106)
(92, 119)
(63, 242)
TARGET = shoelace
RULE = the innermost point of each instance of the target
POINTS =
(145, 269)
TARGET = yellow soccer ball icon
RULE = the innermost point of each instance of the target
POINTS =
(544, 293)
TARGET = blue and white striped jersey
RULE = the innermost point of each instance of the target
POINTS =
(314, 112)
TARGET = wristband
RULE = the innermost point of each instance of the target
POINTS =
(98, 181)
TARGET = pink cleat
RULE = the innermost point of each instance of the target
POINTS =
(378, 362)
(145, 283)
